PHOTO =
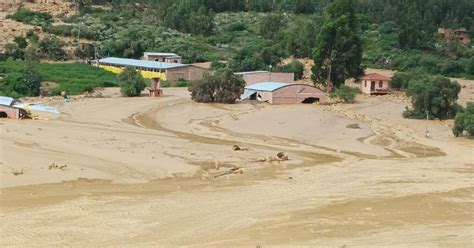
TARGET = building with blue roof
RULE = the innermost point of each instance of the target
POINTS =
(154, 70)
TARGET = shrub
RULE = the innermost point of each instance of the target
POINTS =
(216, 65)
(433, 96)
(165, 84)
(31, 17)
(52, 47)
(222, 87)
(295, 67)
(21, 42)
(131, 82)
(464, 121)
(13, 51)
(62, 30)
(345, 93)
(182, 83)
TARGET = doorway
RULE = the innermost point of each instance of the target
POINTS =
(372, 86)
(310, 100)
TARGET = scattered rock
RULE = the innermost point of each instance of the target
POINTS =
(54, 166)
(238, 148)
(353, 126)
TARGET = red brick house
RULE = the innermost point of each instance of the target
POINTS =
(375, 84)
(253, 77)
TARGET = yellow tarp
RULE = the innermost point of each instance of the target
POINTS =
(145, 74)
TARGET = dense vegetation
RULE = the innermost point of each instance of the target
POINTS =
(254, 34)
(464, 121)
(432, 97)
(338, 51)
(222, 87)
(131, 82)
(74, 78)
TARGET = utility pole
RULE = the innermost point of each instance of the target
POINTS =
(427, 132)
(270, 73)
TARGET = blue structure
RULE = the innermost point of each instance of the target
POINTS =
(265, 86)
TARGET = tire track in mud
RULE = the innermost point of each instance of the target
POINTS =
(324, 155)
(222, 134)
(387, 135)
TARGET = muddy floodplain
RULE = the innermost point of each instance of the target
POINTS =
(152, 172)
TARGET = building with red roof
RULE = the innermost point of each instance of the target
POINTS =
(375, 84)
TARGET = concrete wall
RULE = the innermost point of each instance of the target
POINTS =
(259, 77)
(186, 72)
(366, 84)
(297, 93)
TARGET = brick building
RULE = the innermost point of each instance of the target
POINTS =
(253, 77)
(375, 84)
(283, 93)
(155, 70)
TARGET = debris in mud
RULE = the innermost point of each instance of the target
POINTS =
(54, 166)
(17, 172)
(280, 157)
(353, 126)
(233, 170)
(238, 148)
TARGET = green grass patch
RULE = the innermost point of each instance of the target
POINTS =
(74, 78)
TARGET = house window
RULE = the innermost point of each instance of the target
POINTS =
(365, 83)
(380, 84)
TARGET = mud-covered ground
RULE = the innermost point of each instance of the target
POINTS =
(140, 172)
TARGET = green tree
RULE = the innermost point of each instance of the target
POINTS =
(464, 121)
(131, 82)
(401, 80)
(295, 67)
(271, 24)
(433, 96)
(30, 83)
(338, 52)
(247, 59)
(52, 47)
(223, 87)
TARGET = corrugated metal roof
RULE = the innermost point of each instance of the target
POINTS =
(249, 72)
(266, 86)
(140, 63)
(162, 54)
(247, 94)
(5, 100)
